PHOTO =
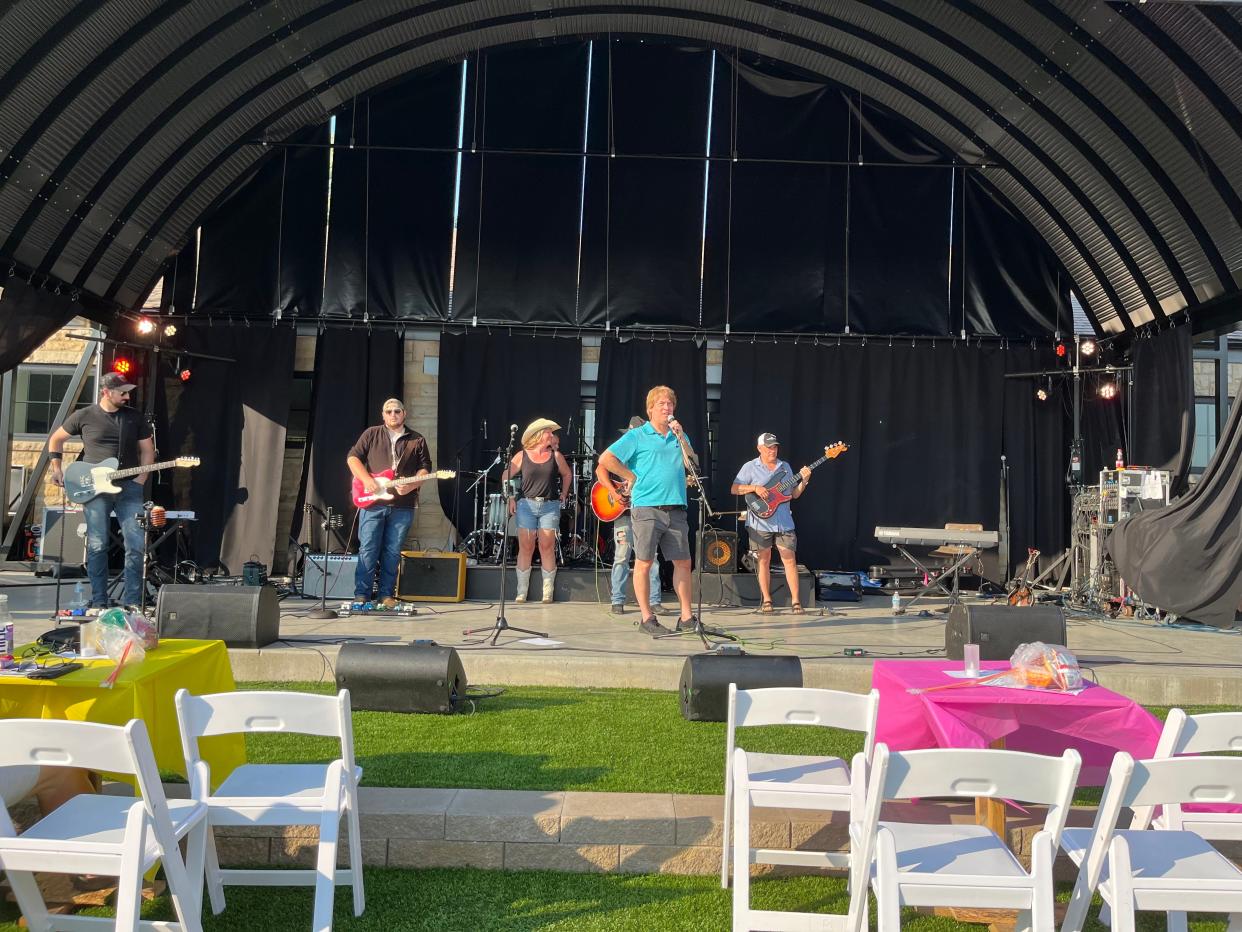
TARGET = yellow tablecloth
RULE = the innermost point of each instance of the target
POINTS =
(143, 690)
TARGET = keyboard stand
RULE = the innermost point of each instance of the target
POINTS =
(937, 581)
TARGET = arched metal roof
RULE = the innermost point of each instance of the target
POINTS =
(1113, 127)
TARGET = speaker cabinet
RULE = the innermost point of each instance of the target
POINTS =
(417, 677)
(240, 616)
(705, 680)
(431, 576)
(718, 551)
(74, 533)
(999, 629)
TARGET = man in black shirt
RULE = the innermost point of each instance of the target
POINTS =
(110, 429)
(382, 526)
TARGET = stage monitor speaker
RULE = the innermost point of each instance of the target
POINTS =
(718, 551)
(431, 576)
(240, 616)
(341, 571)
(705, 680)
(999, 629)
(417, 677)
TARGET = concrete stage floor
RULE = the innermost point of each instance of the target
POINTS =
(1149, 661)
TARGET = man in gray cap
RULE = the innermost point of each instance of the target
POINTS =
(108, 429)
(778, 530)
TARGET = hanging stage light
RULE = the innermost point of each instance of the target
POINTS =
(1060, 349)
(145, 326)
(184, 375)
(1088, 347)
(170, 330)
(1107, 390)
(1041, 393)
(122, 365)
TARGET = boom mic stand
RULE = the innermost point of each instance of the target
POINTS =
(502, 623)
(330, 521)
(700, 630)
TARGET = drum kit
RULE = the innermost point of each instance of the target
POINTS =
(492, 521)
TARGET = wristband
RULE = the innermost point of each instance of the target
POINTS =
(55, 456)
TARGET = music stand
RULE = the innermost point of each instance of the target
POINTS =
(502, 624)
(700, 630)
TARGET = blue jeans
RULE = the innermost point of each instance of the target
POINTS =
(381, 532)
(127, 504)
(621, 534)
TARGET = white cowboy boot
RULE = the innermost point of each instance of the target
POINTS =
(523, 585)
(549, 585)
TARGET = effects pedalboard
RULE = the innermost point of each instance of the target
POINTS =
(400, 610)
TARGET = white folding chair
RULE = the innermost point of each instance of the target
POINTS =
(967, 865)
(822, 781)
(747, 794)
(279, 794)
(114, 836)
(1196, 734)
(1164, 871)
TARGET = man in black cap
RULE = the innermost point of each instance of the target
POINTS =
(110, 428)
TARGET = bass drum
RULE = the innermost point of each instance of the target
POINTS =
(498, 516)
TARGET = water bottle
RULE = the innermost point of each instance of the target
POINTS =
(79, 596)
(896, 601)
(6, 628)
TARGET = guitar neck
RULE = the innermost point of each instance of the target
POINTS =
(138, 470)
(792, 483)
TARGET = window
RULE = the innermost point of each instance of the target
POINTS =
(1205, 435)
(1205, 377)
(299, 410)
(40, 389)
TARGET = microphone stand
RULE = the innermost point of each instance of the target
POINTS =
(502, 623)
(700, 630)
(323, 613)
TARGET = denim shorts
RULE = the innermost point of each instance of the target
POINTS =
(543, 516)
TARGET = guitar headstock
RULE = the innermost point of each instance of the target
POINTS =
(187, 461)
(832, 452)
(445, 473)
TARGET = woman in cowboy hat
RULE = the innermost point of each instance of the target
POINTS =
(538, 506)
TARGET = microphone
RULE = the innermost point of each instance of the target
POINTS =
(484, 428)
(513, 430)
(673, 422)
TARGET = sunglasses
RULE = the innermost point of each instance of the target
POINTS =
(394, 411)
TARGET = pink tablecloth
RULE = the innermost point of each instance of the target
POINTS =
(1096, 722)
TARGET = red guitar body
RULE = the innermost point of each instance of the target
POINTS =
(364, 499)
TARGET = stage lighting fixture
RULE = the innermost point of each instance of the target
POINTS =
(1088, 347)
(184, 375)
(145, 326)
(1041, 393)
(170, 330)
(122, 365)
(1060, 349)
(1107, 390)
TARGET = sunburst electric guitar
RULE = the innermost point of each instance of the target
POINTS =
(781, 490)
(390, 485)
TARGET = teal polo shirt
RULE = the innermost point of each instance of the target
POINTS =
(656, 462)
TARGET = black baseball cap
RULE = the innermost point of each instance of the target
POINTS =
(116, 382)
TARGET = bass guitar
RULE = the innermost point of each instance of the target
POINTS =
(83, 481)
(388, 483)
(781, 488)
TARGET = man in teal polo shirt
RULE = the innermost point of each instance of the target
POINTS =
(650, 461)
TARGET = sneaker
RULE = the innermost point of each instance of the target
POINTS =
(618, 608)
(686, 624)
(652, 627)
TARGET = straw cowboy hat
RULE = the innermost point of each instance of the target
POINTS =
(537, 425)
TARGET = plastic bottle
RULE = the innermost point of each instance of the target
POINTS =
(6, 628)
(79, 596)
(896, 601)
(1121, 460)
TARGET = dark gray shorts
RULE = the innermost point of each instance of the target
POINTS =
(658, 527)
(762, 540)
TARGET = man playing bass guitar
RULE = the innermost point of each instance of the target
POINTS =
(756, 477)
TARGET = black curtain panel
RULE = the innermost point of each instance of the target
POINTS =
(1187, 558)
(237, 264)
(303, 226)
(345, 279)
(1103, 427)
(355, 372)
(926, 429)
(1164, 404)
(28, 316)
(236, 426)
(489, 381)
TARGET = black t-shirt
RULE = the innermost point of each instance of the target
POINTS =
(105, 435)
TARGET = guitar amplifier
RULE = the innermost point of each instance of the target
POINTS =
(74, 533)
(431, 576)
(341, 569)
(717, 550)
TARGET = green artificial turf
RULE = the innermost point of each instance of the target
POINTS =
(463, 900)
(556, 738)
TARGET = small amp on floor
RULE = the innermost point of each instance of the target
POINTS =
(431, 576)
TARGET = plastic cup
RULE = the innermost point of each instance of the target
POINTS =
(970, 653)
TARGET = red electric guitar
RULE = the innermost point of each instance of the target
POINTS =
(387, 483)
(782, 489)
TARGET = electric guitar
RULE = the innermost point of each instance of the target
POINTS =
(83, 481)
(608, 505)
(387, 482)
(781, 488)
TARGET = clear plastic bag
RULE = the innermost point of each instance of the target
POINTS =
(1043, 666)
(122, 643)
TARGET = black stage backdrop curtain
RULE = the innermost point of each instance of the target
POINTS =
(355, 373)
(28, 316)
(627, 371)
(236, 426)
(1163, 434)
(926, 427)
(498, 380)
(1187, 558)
